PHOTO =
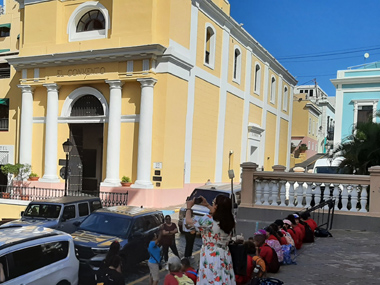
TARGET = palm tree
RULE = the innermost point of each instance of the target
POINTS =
(361, 149)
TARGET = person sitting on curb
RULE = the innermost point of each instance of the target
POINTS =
(273, 240)
(307, 219)
(298, 231)
(288, 228)
(188, 270)
(175, 276)
(267, 253)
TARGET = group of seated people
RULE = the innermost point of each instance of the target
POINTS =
(273, 246)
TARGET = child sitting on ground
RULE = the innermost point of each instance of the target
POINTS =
(267, 253)
(188, 270)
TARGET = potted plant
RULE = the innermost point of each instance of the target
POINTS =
(33, 176)
(126, 181)
(303, 147)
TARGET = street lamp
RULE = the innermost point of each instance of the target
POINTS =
(67, 147)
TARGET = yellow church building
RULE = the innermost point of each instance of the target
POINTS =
(159, 91)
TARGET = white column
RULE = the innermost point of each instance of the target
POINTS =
(144, 154)
(51, 135)
(113, 139)
(26, 129)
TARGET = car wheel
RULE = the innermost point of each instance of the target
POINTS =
(64, 282)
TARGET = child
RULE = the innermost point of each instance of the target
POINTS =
(188, 270)
(267, 253)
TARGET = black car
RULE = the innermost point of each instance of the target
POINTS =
(132, 226)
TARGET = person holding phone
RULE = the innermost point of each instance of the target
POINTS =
(216, 230)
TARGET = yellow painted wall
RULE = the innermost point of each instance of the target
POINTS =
(201, 38)
(231, 57)
(38, 147)
(270, 141)
(255, 114)
(10, 211)
(224, 5)
(232, 134)
(300, 119)
(284, 147)
(206, 109)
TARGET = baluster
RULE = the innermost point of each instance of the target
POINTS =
(282, 193)
(363, 198)
(270, 185)
(344, 197)
(274, 193)
(336, 195)
(309, 193)
(354, 198)
(266, 192)
(291, 193)
(258, 193)
(317, 193)
(299, 195)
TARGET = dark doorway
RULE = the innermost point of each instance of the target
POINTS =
(86, 157)
(3, 178)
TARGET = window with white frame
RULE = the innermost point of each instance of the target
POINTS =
(285, 99)
(89, 21)
(309, 125)
(257, 79)
(365, 110)
(209, 59)
(237, 64)
(273, 90)
(308, 145)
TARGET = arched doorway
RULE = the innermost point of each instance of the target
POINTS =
(87, 138)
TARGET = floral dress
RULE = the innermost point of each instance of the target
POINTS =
(215, 265)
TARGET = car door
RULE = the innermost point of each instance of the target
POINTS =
(69, 217)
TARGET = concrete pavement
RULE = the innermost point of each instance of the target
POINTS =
(349, 257)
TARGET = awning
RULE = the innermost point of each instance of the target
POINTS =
(4, 102)
(5, 25)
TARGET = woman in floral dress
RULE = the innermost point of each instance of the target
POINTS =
(216, 229)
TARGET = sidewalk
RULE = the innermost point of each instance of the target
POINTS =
(349, 257)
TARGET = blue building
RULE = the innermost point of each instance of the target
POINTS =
(357, 97)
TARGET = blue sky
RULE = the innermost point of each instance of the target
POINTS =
(295, 28)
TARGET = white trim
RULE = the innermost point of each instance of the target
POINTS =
(79, 92)
(264, 114)
(244, 137)
(278, 123)
(289, 127)
(206, 76)
(9, 151)
(190, 94)
(88, 119)
(211, 58)
(365, 102)
(237, 61)
(338, 116)
(77, 15)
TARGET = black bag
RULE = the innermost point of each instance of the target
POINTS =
(239, 258)
(159, 262)
(309, 235)
(322, 233)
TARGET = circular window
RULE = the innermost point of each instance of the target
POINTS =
(92, 20)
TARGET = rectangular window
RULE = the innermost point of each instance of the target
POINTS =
(4, 114)
(83, 209)
(365, 114)
(5, 30)
(69, 212)
(94, 205)
(311, 92)
(5, 70)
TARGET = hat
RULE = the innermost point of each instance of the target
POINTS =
(296, 216)
(174, 263)
(286, 221)
(260, 232)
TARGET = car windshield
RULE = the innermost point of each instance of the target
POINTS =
(47, 211)
(103, 223)
(331, 170)
(209, 195)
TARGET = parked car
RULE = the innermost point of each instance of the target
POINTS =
(209, 192)
(64, 213)
(37, 255)
(132, 226)
(330, 166)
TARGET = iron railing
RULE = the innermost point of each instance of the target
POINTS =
(34, 193)
(323, 213)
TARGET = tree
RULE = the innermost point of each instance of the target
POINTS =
(361, 149)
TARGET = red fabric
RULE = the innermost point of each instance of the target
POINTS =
(312, 224)
(298, 231)
(266, 253)
(190, 275)
(294, 236)
(302, 227)
(170, 279)
(283, 240)
(272, 237)
(244, 279)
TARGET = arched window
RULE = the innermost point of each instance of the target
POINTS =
(257, 78)
(90, 21)
(237, 64)
(273, 90)
(209, 59)
(87, 105)
(285, 99)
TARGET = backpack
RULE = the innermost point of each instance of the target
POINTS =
(309, 235)
(288, 238)
(287, 250)
(273, 265)
(184, 280)
(322, 233)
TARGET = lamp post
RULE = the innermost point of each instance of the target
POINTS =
(67, 147)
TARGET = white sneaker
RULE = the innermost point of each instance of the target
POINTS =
(167, 267)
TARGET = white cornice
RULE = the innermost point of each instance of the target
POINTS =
(88, 56)
(314, 109)
(356, 80)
